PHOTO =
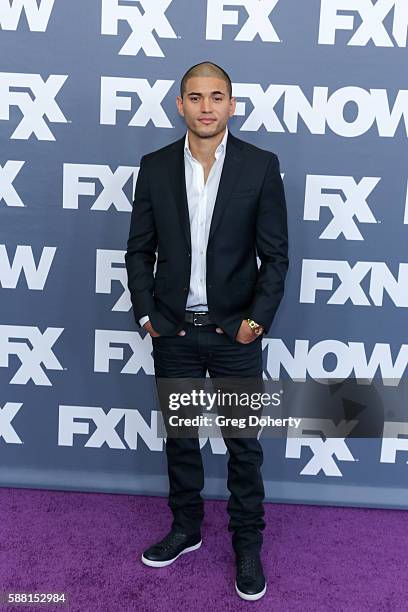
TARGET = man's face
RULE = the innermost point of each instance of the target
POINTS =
(206, 106)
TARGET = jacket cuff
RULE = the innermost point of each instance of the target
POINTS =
(143, 320)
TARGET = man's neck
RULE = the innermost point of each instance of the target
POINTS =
(203, 149)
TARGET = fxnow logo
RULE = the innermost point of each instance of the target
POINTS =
(372, 108)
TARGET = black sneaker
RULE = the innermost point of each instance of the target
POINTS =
(250, 583)
(170, 548)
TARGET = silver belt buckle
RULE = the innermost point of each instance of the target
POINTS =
(195, 321)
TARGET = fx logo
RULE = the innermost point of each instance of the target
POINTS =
(143, 23)
(324, 448)
(257, 22)
(112, 193)
(110, 266)
(33, 110)
(33, 349)
(394, 441)
(8, 192)
(7, 431)
(24, 262)
(37, 16)
(105, 351)
(372, 15)
(150, 97)
(345, 207)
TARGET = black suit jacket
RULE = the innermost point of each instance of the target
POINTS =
(249, 218)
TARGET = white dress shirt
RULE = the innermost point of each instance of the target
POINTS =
(201, 200)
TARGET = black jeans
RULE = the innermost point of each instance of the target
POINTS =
(190, 356)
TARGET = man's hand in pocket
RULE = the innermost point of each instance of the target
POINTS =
(245, 334)
(150, 329)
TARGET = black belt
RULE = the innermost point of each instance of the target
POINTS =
(198, 318)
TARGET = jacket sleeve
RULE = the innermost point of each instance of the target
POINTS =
(272, 247)
(140, 256)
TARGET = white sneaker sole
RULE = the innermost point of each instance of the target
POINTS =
(151, 563)
(251, 597)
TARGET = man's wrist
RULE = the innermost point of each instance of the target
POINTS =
(255, 327)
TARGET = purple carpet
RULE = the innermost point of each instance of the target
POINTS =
(88, 545)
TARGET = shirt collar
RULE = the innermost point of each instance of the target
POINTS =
(218, 151)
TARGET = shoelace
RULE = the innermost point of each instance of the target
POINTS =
(247, 565)
(171, 539)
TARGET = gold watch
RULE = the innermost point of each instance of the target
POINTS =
(256, 328)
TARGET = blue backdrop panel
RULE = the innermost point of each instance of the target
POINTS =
(85, 90)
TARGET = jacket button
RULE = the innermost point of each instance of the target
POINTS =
(184, 288)
(210, 286)
(189, 254)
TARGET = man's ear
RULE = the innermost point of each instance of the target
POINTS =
(179, 103)
(233, 106)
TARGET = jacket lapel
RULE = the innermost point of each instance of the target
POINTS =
(178, 186)
(231, 170)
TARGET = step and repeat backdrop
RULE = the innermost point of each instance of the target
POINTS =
(87, 88)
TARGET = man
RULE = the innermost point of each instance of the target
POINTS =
(209, 203)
